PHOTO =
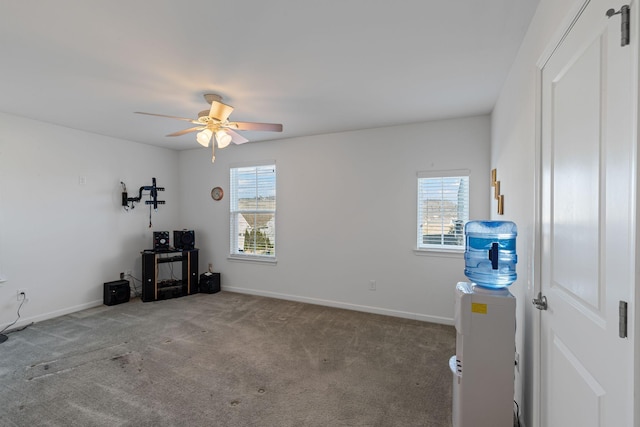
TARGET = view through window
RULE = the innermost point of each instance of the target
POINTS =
(443, 209)
(253, 211)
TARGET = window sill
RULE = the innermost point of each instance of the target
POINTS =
(444, 253)
(253, 258)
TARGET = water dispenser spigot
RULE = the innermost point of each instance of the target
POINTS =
(493, 255)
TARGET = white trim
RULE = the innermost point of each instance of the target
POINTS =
(536, 316)
(443, 173)
(452, 253)
(253, 258)
(536, 357)
(635, 273)
(563, 30)
(24, 321)
(344, 305)
(251, 164)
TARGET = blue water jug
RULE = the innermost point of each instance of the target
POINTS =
(490, 253)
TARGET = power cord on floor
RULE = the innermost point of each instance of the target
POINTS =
(517, 413)
(3, 337)
(135, 289)
(18, 313)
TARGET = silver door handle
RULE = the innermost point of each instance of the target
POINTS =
(541, 302)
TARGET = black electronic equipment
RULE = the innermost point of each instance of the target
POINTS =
(154, 288)
(184, 239)
(116, 292)
(209, 283)
(171, 288)
(160, 240)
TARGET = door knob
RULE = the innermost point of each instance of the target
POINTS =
(540, 302)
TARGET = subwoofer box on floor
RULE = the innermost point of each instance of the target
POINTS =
(116, 292)
(210, 283)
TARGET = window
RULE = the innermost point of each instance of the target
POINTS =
(443, 209)
(253, 211)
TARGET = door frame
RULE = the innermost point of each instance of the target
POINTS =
(536, 271)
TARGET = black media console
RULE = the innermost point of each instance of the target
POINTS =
(154, 289)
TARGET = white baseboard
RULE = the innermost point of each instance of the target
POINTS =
(338, 304)
(50, 315)
(317, 301)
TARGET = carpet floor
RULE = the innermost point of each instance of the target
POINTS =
(229, 360)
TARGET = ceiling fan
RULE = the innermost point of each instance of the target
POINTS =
(215, 123)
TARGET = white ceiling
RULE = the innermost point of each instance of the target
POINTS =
(314, 66)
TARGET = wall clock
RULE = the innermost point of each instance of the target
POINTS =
(217, 193)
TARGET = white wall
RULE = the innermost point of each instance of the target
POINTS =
(60, 239)
(513, 148)
(346, 215)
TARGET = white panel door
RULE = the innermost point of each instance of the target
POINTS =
(588, 173)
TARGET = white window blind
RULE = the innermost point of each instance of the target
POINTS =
(443, 209)
(253, 211)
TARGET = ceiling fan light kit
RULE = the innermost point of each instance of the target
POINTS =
(215, 121)
(223, 138)
(204, 137)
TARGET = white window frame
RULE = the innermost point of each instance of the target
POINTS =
(235, 213)
(422, 247)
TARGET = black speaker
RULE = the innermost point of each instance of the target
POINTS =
(184, 239)
(160, 240)
(116, 292)
(210, 283)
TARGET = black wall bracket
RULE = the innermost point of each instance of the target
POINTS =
(129, 202)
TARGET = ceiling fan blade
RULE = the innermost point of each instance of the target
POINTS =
(182, 132)
(236, 138)
(273, 127)
(170, 117)
(220, 111)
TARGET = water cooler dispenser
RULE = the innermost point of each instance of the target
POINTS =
(483, 366)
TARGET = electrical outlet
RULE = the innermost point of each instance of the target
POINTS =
(21, 294)
(128, 273)
(372, 285)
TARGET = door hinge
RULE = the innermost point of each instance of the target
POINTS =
(622, 322)
(625, 23)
